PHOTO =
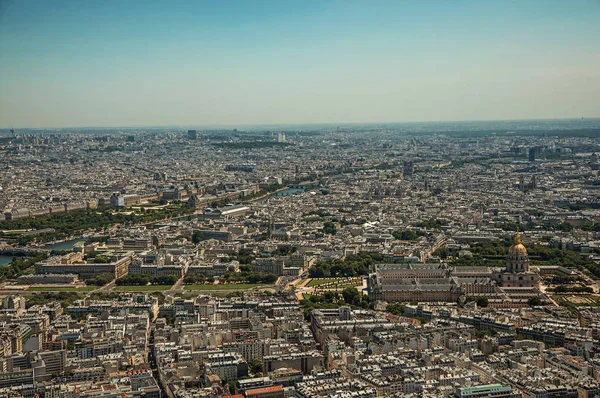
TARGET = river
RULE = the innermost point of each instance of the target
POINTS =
(5, 259)
(66, 245)
(286, 192)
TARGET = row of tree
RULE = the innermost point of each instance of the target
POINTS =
(144, 279)
(573, 289)
(18, 265)
(330, 299)
(407, 234)
(71, 222)
(196, 278)
(493, 254)
(352, 265)
(100, 279)
(250, 277)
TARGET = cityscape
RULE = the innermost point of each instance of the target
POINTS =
(299, 199)
(410, 260)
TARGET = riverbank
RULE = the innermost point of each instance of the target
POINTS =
(265, 196)
(276, 193)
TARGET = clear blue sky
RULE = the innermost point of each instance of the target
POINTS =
(128, 62)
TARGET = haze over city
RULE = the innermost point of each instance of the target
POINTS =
(140, 63)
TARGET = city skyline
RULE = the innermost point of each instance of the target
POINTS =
(75, 64)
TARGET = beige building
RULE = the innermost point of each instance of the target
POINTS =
(517, 272)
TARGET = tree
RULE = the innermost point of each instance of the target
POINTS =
(352, 265)
(256, 365)
(351, 295)
(230, 385)
(395, 308)
(534, 301)
(100, 279)
(330, 297)
(197, 237)
(329, 228)
(405, 235)
(482, 302)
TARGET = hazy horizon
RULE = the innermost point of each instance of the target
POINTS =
(74, 64)
(518, 124)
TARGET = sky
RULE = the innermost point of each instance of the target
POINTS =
(89, 63)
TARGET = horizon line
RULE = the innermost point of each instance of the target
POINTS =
(223, 125)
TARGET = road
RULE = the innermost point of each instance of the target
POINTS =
(176, 288)
(106, 288)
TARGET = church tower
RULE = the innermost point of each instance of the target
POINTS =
(517, 272)
(517, 259)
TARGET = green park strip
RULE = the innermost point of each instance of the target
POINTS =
(151, 288)
(231, 286)
(62, 289)
(320, 281)
(323, 281)
(577, 300)
(341, 287)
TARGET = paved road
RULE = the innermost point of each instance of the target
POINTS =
(176, 288)
(106, 288)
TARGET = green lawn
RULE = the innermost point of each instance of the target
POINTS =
(323, 281)
(153, 288)
(319, 281)
(576, 300)
(342, 287)
(237, 286)
(62, 289)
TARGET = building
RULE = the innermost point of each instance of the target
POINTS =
(54, 362)
(517, 272)
(59, 279)
(436, 282)
(73, 264)
(15, 214)
(487, 391)
(271, 265)
(408, 168)
(413, 282)
(208, 234)
(227, 366)
(265, 392)
(305, 361)
(16, 303)
(213, 269)
(226, 212)
(192, 134)
(171, 194)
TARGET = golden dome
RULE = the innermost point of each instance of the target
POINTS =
(518, 247)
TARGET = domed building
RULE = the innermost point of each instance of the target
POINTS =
(517, 259)
(517, 273)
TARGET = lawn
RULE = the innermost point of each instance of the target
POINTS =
(577, 300)
(342, 287)
(322, 281)
(62, 289)
(152, 288)
(236, 286)
(319, 281)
